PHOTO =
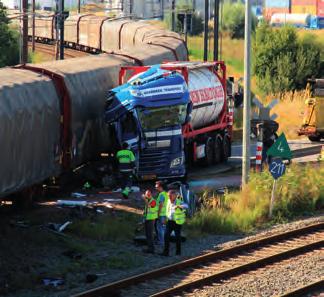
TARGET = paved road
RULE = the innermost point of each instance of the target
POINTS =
(229, 175)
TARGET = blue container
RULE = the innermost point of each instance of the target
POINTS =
(320, 22)
(317, 22)
(277, 3)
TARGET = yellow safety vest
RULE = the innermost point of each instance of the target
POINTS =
(179, 214)
(150, 213)
(163, 212)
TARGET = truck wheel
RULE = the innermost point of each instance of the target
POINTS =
(226, 149)
(209, 152)
(217, 149)
(314, 138)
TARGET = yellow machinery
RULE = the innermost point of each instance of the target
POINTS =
(313, 124)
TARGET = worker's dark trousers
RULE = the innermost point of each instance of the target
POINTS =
(172, 226)
(126, 179)
(149, 229)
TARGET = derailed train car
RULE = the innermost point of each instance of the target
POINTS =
(51, 114)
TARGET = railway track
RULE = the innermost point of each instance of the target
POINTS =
(49, 49)
(213, 267)
(307, 290)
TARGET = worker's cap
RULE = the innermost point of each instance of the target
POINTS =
(173, 192)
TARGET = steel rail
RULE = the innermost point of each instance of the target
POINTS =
(240, 269)
(50, 50)
(310, 288)
(113, 289)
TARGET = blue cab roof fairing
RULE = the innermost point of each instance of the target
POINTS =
(155, 87)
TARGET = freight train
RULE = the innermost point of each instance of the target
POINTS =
(51, 114)
(173, 115)
(96, 34)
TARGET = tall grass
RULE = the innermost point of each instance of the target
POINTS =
(300, 191)
(105, 228)
(290, 111)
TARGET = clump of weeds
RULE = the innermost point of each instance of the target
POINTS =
(299, 192)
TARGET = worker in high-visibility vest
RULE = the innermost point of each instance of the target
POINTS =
(176, 213)
(162, 202)
(150, 215)
(126, 164)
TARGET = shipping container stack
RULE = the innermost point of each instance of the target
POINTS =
(276, 6)
(304, 6)
(320, 8)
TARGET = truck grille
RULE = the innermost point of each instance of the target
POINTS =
(152, 162)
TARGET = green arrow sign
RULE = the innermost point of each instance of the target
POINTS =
(280, 148)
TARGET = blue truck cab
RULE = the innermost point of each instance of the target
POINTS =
(148, 113)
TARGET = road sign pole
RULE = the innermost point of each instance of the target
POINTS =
(247, 95)
(259, 149)
(272, 198)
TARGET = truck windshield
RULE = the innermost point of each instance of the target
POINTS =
(154, 118)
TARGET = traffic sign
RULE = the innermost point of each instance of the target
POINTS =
(280, 148)
(277, 168)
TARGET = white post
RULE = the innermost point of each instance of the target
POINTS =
(272, 198)
(247, 95)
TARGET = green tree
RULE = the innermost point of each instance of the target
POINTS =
(233, 19)
(282, 62)
(9, 47)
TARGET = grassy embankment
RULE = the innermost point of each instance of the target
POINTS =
(299, 192)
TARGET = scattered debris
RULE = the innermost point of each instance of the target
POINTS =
(72, 254)
(135, 189)
(90, 278)
(78, 195)
(112, 200)
(87, 186)
(71, 203)
(58, 227)
(53, 282)
(20, 224)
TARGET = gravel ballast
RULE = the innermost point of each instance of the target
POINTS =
(272, 280)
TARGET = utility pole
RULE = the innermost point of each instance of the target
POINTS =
(206, 31)
(247, 95)
(61, 6)
(162, 10)
(24, 56)
(79, 6)
(185, 27)
(216, 29)
(33, 27)
(173, 15)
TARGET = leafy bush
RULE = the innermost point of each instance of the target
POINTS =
(282, 62)
(300, 191)
(9, 48)
(234, 19)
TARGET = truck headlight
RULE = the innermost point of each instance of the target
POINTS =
(176, 162)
